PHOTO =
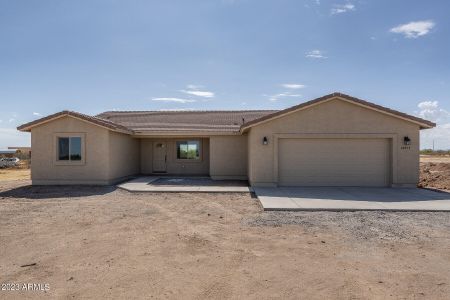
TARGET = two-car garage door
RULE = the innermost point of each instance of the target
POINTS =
(333, 162)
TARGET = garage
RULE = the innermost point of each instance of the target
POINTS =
(333, 162)
(335, 140)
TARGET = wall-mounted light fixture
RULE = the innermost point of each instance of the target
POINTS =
(265, 140)
(406, 141)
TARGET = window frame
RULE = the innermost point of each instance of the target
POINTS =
(188, 160)
(69, 162)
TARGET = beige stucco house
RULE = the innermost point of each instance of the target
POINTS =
(335, 140)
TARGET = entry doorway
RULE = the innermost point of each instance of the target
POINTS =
(159, 157)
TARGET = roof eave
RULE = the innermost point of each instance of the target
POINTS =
(101, 123)
(430, 126)
(149, 133)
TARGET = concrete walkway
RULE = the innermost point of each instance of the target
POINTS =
(349, 199)
(184, 184)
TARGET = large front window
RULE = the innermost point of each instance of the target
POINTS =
(188, 150)
(69, 148)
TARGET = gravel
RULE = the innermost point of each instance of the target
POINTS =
(363, 225)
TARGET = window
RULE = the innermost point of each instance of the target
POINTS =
(188, 150)
(69, 148)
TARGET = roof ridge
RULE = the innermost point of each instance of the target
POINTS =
(184, 111)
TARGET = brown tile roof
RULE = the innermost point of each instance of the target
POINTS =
(222, 121)
(95, 120)
(423, 123)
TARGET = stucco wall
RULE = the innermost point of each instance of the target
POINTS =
(124, 159)
(228, 157)
(334, 117)
(146, 155)
(108, 156)
(174, 166)
(45, 169)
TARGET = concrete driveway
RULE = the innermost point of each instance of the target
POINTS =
(352, 198)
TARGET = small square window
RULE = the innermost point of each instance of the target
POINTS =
(69, 149)
(189, 150)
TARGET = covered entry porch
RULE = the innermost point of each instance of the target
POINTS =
(175, 156)
(217, 157)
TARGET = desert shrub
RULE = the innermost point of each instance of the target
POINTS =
(434, 152)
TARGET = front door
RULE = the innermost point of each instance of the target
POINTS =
(159, 156)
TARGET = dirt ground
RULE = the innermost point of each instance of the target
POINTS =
(99, 242)
(435, 172)
(14, 174)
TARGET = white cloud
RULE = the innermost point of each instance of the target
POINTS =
(342, 8)
(194, 87)
(440, 135)
(37, 114)
(197, 90)
(316, 54)
(205, 94)
(430, 110)
(276, 97)
(414, 30)
(293, 86)
(171, 99)
(11, 120)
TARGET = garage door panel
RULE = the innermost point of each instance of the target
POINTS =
(331, 181)
(333, 162)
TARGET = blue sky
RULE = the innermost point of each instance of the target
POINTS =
(92, 56)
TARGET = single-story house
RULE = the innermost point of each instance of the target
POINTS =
(335, 140)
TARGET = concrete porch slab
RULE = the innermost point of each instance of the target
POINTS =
(351, 198)
(184, 185)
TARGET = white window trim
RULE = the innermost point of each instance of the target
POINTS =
(58, 162)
